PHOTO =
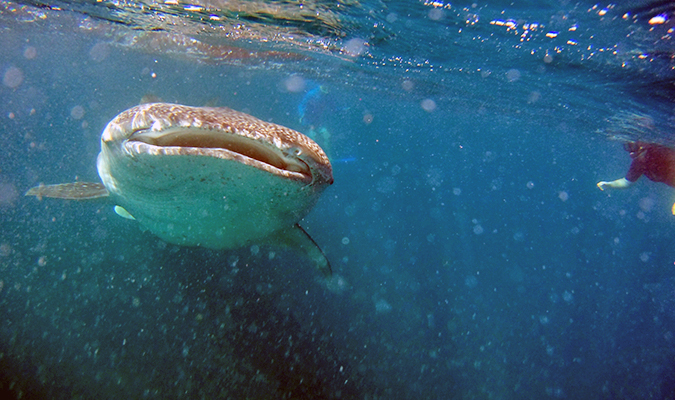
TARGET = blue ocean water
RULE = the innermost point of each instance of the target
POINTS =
(473, 255)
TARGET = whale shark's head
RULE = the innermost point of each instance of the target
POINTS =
(207, 176)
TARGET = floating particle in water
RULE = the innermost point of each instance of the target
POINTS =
(295, 83)
(478, 229)
(568, 296)
(391, 17)
(255, 249)
(436, 14)
(543, 319)
(435, 177)
(530, 185)
(8, 195)
(367, 118)
(647, 204)
(337, 284)
(5, 249)
(355, 47)
(407, 85)
(30, 53)
(381, 306)
(42, 261)
(13, 77)
(562, 195)
(456, 191)
(512, 75)
(77, 112)
(428, 105)
(99, 52)
(345, 240)
(386, 184)
(471, 282)
(644, 256)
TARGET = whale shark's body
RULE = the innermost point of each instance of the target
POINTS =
(204, 176)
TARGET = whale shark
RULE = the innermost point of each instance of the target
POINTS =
(206, 176)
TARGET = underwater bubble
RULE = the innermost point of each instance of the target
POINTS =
(435, 14)
(355, 47)
(13, 77)
(295, 84)
(8, 195)
(99, 52)
(30, 53)
(386, 184)
(5, 249)
(381, 306)
(77, 112)
(646, 204)
(471, 281)
(428, 105)
(534, 97)
(512, 75)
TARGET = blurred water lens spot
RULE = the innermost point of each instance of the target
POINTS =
(355, 47)
(8, 194)
(77, 112)
(13, 77)
(99, 52)
(435, 14)
(294, 84)
(428, 105)
(513, 75)
(30, 53)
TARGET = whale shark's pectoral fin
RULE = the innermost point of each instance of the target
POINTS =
(70, 191)
(297, 238)
(123, 213)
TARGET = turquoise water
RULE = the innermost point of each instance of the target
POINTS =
(473, 255)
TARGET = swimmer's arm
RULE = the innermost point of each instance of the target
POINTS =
(617, 184)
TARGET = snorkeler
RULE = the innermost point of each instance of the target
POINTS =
(654, 161)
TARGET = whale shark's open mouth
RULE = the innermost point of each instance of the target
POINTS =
(221, 144)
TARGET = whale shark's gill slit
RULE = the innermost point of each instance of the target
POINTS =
(209, 139)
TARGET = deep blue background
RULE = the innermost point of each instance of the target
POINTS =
(474, 255)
